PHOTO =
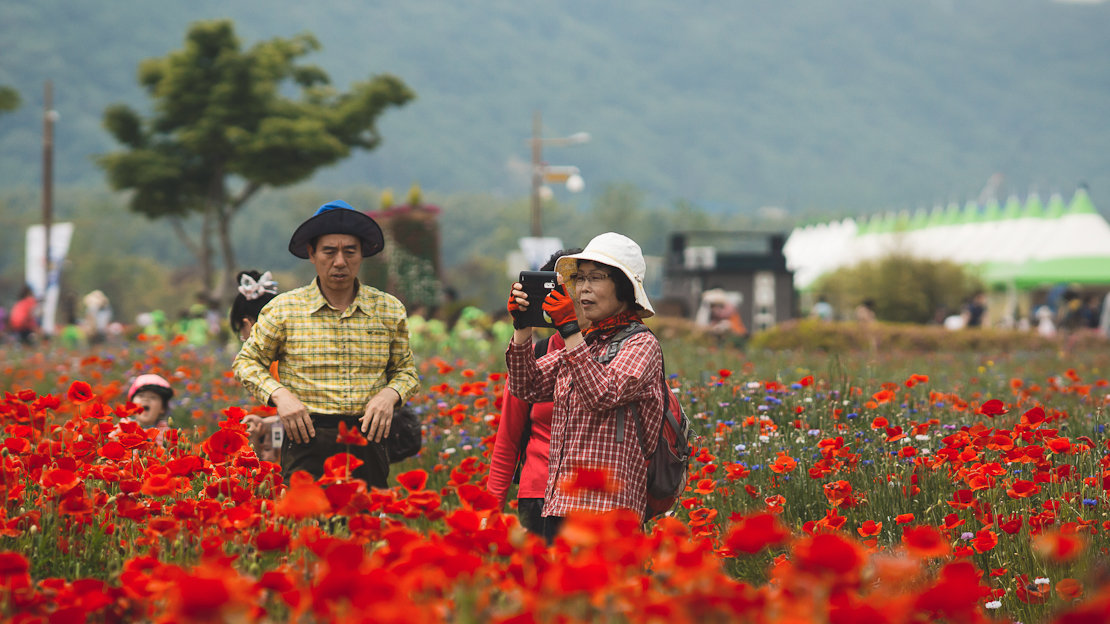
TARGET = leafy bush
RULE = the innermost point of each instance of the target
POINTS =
(834, 337)
(904, 289)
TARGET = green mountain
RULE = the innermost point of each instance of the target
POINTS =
(815, 106)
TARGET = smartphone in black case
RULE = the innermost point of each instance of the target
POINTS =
(537, 284)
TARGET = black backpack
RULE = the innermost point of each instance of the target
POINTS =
(668, 462)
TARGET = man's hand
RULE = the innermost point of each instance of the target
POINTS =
(294, 415)
(378, 417)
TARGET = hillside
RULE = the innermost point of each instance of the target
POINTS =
(818, 107)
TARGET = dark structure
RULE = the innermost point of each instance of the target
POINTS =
(750, 263)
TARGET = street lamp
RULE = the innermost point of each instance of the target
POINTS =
(542, 172)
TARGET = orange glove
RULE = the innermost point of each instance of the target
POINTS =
(559, 306)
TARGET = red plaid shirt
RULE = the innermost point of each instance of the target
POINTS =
(587, 398)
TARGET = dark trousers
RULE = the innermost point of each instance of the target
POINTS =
(551, 526)
(310, 456)
(529, 511)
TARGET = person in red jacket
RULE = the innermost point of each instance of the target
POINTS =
(22, 320)
(523, 434)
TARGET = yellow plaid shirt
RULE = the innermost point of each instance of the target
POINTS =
(333, 360)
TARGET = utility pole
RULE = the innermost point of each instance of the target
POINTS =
(48, 117)
(547, 173)
(537, 173)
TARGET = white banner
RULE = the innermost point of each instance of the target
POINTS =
(538, 249)
(45, 284)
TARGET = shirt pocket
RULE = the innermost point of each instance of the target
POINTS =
(369, 342)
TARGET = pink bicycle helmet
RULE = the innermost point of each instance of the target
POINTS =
(154, 383)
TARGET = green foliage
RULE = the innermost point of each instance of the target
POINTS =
(904, 289)
(9, 99)
(224, 128)
(847, 337)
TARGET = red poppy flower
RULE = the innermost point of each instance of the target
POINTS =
(413, 480)
(1028, 591)
(224, 445)
(350, 435)
(961, 499)
(1023, 489)
(736, 471)
(1012, 524)
(273, 538)
(303, 499)
(1069, 589)
(341, 465)
(590, 480)
(984, 540)
(79, 392)
(992, 408)
(705, 487)
(905, 518)
(783, 463)
(60, 479)
(752, 534)
(17, 446)
(724, 373)
(925, 541)
(870, 528)
(952, 521)
(828, 553)
(1059, 547)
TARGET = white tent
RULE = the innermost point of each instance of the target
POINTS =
(1011, 245)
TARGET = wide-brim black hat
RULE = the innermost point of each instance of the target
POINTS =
(338, 217)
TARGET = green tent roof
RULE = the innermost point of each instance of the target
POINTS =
(992, 211)
(920, 220)
(952, 214)
(970, 213)
(1081, 203)
(1093, 270)
(1033, 207)
(1012, 210)
(1056, 207)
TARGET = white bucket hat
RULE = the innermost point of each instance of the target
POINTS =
(615, 250)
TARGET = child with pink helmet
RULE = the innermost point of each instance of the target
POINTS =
(152, 393)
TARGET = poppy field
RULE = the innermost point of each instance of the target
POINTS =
(869, 487)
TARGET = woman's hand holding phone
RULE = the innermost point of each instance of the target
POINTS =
(518, 305)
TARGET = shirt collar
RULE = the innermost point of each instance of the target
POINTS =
(363, 300)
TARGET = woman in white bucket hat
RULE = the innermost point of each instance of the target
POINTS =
(588, 430)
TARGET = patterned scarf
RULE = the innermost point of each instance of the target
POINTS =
(609, 326)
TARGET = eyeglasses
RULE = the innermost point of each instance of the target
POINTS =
(592, 278)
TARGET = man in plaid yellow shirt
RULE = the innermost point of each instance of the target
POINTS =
(342, 350)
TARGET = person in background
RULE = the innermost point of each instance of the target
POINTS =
(342, 347)
(98, 315)
(152, 393)
(255, 291)
(1104, 318)
(865, 311)
(23, 320)
(524, 433)
(1045, 325)
(822, 310)
(589, 431)
(719, 312)
(976, 310)
(1091, 311)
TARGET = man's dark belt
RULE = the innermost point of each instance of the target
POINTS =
(333, 420)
